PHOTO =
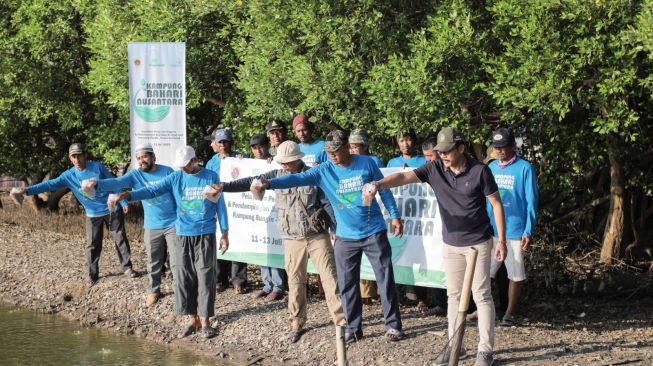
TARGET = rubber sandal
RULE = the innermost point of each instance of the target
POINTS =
(295, 335)
(353, 337)
(393, 335)
(240, 289)
(209, 332)
(187, 330)
(131, 273)
(89, 282)
(508, 321)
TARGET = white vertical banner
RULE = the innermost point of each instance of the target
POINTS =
(157, 97)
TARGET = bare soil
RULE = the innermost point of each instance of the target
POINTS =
(42, 268)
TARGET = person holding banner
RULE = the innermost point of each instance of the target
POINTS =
(409, 157)
(304, 225)
(361, 229)
(222, 141)
(160, 213)
(461, 186)
(277, 133)
(313, 149)
(98, 214)
(193, 257)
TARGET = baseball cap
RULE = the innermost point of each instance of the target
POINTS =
(144, 147)
(448, 137)
(220, 134)
(76, 148)
(183, 155)
(358, 136)
(335, 140)
(502, 137)
(258, 140)
(274, 125)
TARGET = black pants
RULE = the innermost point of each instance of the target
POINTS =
(115, 222)
(234, 272)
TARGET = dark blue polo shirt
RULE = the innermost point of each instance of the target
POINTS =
(461, 200)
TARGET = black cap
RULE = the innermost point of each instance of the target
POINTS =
(258, 140)
(502, 137)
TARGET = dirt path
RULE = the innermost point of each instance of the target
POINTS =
(43, 270)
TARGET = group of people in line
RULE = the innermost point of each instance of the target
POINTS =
(323, 212)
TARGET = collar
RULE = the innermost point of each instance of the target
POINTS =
(504, 165)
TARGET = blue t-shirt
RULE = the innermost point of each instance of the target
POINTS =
(195, 214)
(160, 211)
(517, 184)
(215, 161)
(378, 161)
(314, 153)
(412, 162)
(72, 178)
(343, 187)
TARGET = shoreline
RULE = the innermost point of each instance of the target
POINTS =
(43, 270)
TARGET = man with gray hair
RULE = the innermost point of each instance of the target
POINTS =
(97, 211)
(159, 212)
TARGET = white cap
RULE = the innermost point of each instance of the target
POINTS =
(144, 147)
(287, 152)
(183, 156)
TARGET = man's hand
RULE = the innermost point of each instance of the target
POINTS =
(224, 242)
(17, 191)
(525, 242)
(263, 186)
(500, 252)
(369, 191)
(270, 159)
(218, 187)
(125, 209)
(398, 228)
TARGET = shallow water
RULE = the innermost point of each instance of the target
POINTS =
(31, 338)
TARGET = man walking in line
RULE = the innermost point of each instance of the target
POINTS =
(461, 186)
(518, 189)
(304, 226)
(97, 211)
(361, 229)
(160, 214)
(193, 262)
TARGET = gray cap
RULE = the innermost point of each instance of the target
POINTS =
(144, 147)
(76, 148)
(448, 138)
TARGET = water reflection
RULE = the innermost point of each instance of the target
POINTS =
(30, 338)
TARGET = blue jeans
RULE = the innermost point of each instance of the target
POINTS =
(272, 279)
(348, 264)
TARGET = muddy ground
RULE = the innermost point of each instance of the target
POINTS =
(42, 268)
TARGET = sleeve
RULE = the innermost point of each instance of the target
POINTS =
(310, 177)
(322, 157)
(328, 208)
(49, 186)
(242, 185)
(161, 187)
(422, 172)
(532, 197)
(104, 172)
(116, 184)
(488, 184)
(223, 215)
(386, 195)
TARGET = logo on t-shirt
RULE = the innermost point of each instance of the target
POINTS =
(349, 190)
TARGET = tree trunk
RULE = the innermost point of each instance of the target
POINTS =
(614, 227)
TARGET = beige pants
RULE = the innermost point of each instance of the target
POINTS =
(454, 267)
(368, 289)
(297, 252)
